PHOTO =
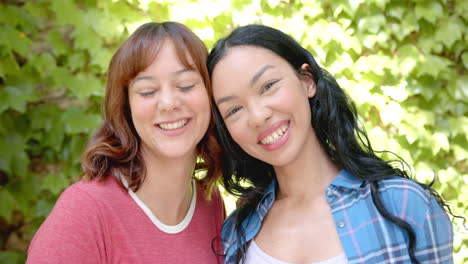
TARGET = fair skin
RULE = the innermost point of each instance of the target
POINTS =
(171, 113)
(264, 104)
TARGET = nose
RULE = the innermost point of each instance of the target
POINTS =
(258, 114)
(168, 99)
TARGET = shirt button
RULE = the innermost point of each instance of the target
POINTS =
(329, 193)
(341, 224)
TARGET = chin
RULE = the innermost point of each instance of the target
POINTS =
(180, 153)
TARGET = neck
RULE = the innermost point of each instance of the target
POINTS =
(308, 175)
(167, 188)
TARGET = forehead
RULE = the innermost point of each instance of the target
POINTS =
(240, 64)
(169, 55)
(241, 56)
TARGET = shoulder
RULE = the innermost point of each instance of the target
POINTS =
(399, 187)
(86, 197)
(108, 186)
(75, 225)
(408, 199)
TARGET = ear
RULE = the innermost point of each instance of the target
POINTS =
(307, 80)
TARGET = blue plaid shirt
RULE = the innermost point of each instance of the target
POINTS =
(365, 235)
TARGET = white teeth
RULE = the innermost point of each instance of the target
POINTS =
(275, 136)
(175, 125)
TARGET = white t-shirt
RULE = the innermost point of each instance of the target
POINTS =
(255, 255)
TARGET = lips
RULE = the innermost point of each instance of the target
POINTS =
(274, 133)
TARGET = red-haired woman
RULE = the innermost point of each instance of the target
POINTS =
(140, 200)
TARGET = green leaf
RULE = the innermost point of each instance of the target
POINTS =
(15, 40)
(125, 12)
(25, 194)
(77, 146)
(101, 23)
(429, 10)
(87, 39)
(55, 136)
(61, 76)
(43, 207)
(12, 146)
(77, 61)
(12, 257)
(459, 153)
(440, 142)
(397, 12)
(55, 38)
(84, 86)
(13, 98)
(43, 63)
(433, 65)
(392, 113)
(67, 13)
(55, 183)
(465, 59)
(372, 24)
(409, 55)
(102, 60)
(48, 119)
(159, 11)
(450, 31)
(20, 164)
(8, 65)
(7, 204)
(76, 120)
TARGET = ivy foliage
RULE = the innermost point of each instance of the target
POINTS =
(404, 62)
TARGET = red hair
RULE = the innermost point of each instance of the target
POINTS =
(115, 148)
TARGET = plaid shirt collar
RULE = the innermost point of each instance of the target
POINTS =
(253, 222)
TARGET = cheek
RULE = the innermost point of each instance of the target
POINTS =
(200, 103)
(239, 133)
(141, 110)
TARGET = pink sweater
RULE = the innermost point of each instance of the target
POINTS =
(99, 222)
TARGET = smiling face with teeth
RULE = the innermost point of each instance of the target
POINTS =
(169, 106)
(264, 104)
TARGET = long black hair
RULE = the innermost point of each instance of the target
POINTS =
(334, 119)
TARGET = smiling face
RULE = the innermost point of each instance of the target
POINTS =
(169, 106)
(264, 103)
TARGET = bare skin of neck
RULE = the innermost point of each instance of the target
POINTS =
(167, 188)
(301, 214)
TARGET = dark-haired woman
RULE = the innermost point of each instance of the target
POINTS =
(311, 188)
(142, 199)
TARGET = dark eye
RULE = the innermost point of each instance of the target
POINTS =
(186, 88)
(232, 111)
(145, 94)
(268, 86)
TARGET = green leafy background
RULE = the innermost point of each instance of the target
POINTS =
(404, 62)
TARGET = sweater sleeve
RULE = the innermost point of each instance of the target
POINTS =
(72, 233)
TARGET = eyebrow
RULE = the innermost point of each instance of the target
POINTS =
(252, 82)
(183, 70)
(259, 73)
(139, 78)
(225, 99)
(151, 78)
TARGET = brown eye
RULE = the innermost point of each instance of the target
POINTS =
(269, 85)
(232, 111)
